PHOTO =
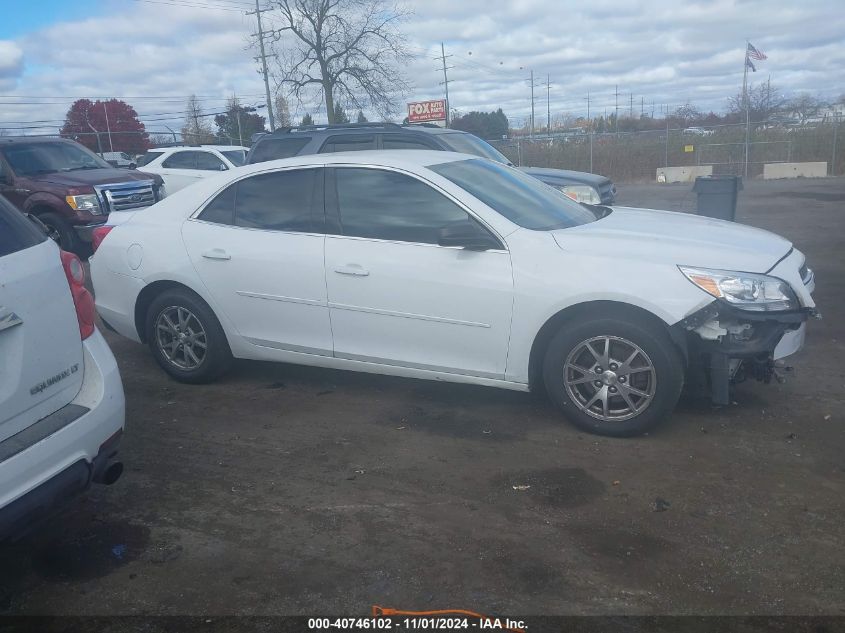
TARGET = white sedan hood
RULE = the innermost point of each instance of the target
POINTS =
(676, 238)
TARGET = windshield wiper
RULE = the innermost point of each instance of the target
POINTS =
(82, 167)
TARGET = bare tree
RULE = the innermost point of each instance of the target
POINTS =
(805, 106)
(197, 128)
(346, 50)
(764, 100)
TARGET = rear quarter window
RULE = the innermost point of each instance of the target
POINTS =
(16, 231)
(276, 148)
(147, 158)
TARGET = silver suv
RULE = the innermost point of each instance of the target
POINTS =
(322, 139)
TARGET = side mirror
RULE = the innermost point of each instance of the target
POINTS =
(222, 167)
(467, 235)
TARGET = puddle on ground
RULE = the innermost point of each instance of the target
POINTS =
(557, 487)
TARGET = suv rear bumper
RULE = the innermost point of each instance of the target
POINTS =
(36, 479)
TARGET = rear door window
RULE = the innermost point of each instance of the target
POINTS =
(349, 143)
(280, 201)
(209, 162)
(276, 148)
(16, 231)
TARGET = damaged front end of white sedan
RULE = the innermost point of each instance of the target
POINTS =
(755, 322)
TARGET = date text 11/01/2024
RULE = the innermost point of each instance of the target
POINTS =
(417, 622)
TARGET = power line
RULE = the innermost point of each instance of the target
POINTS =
(196, 4)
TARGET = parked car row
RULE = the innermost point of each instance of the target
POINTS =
(353, 253)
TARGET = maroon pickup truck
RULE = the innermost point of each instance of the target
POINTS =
(70, 189)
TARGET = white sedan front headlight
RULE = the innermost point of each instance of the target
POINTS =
(581, 193)
(746, 291)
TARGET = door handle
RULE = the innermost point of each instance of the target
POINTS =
(352, 269)
(8, 319)
(216, 253)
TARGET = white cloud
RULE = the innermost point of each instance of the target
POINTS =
(11, 64)
(666, 53)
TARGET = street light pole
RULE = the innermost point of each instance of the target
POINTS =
(99, 146)
(108, 128)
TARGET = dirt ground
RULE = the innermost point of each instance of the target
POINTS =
(290, 490)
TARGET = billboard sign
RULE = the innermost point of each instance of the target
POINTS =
(421, 111)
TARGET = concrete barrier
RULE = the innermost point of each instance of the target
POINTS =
(683, 174)
(794, 170)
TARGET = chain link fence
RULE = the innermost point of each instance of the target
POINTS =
(636, 156)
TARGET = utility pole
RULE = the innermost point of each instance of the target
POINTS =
(632, 105)
(590, 130)
(616, 109)
(238, 117)
(642, 106)
(445, 83)
(548, 85)
(108, 129)
(533, 85)
(258, 11)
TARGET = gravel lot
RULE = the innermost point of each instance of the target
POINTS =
(290, 490)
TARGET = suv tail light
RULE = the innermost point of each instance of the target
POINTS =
(82, 299)
(98, 235)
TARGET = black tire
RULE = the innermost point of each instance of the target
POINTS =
(662, 383)
(217, 357)
(61, 232)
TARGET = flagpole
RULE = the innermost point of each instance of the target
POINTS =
(745, 98)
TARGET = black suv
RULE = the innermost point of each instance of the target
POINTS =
(320, 139)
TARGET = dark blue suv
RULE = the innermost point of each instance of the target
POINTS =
(319, 139)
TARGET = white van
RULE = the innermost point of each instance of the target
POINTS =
(118, 159)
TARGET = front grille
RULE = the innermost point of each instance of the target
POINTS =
(124, 196)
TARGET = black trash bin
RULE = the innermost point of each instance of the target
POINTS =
(717, 196)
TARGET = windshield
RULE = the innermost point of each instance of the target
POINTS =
(236, 156)
(522, 199)
(29, 159)
(469, 144)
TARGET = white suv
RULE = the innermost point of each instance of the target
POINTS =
(183, 166)
(447, 266)
(61, 398)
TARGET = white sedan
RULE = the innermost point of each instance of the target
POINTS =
(451, 267)
(183, 166)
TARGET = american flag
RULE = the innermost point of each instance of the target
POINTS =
(754, 53)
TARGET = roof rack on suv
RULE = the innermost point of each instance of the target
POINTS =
(334, 126)
(423, 125)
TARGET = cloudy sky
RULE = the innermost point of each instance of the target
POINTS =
(153, 53)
